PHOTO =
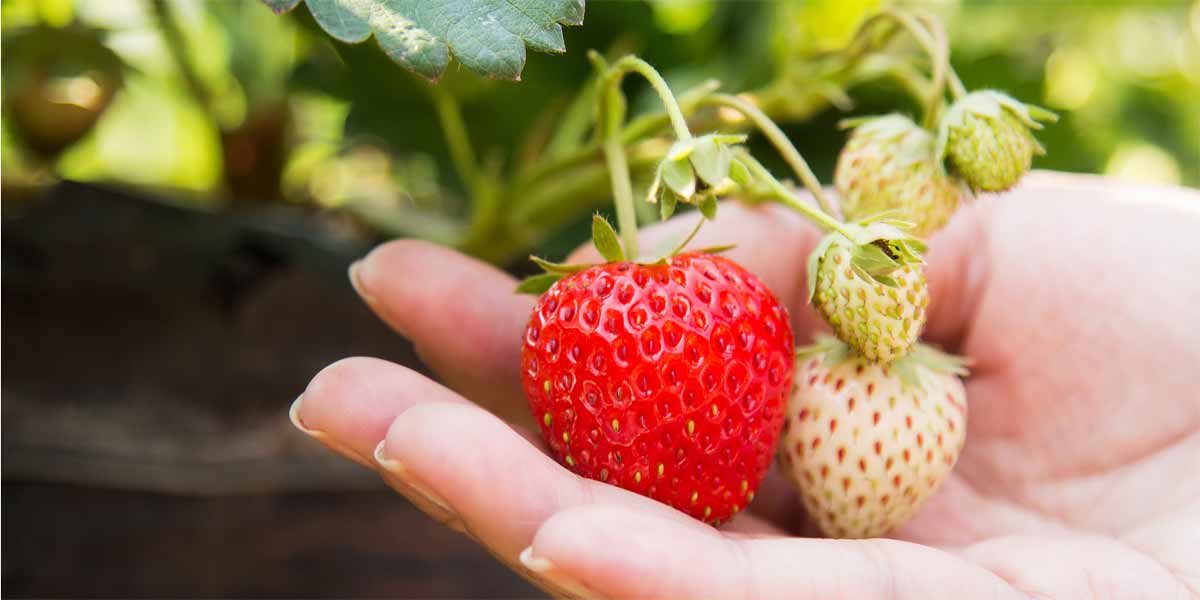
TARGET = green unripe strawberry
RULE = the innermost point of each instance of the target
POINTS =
(872, 294)
(986, 138)
(888, 164)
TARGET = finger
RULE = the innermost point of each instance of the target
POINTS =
(499, 484)
(462, 315)
(773, 242)
(746, 524)
(350, 404)
(616, 552)
(348, 407)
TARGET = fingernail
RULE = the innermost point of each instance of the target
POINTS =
(356, 280)
(549, 575)
(322, 437)
(401, 473)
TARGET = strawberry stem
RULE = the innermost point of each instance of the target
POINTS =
(938, 54)
(934, 26)
(643, 68)
(789, 199)
(610, 117)
(782, 144)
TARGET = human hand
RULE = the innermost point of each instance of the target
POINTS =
(1077, 299)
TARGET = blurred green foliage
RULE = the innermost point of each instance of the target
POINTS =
(224, 103)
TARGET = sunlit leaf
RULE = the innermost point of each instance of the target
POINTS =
(488, 36)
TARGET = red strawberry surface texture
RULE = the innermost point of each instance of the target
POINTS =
(669, 380)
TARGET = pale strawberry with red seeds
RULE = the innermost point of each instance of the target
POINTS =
(867, 444)
(667, 379)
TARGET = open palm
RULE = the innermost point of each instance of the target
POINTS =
(1076, 298)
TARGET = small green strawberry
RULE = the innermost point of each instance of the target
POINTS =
(867, 444)
(871, 289)
(888, 164)
(986, 138)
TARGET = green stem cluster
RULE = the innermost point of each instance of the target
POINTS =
(512, 214)
(782, 144)
(928, 32)
(612, 112)
(785, 196)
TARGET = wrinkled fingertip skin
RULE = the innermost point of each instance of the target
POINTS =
(669, 380)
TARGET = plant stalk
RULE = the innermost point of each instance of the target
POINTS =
(781, 142)
(789, 199)
(935, 27)
(611, 112)
(937, 55)
(643, 68)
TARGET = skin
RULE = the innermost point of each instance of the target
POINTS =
(1077, 299)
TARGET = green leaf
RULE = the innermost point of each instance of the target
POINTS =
(726, 139)
(874, 260)
(740, 173)
(711, 160)
(681, 149)
(606, 240)
(715, 249)
(655, 190)
(667, 206)
(538, 284)
(560, 268)
(679, 177)
(487, 36)
(708, 206)
(814, 261)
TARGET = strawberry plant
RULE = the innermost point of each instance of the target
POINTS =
(669, 373)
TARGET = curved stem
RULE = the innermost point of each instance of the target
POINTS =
(938, 58)
(939, 34)
(781, 142)
(643, 68)
(681, 245)
(936, 53)
(789, 199)
(637, 129)
(612, 115)
(956, 85)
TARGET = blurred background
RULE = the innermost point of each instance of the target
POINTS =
(185, 182)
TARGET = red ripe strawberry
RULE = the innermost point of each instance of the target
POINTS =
(667, 379)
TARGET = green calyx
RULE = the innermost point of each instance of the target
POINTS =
(877, 249)
(696, 171)
(608, 244)
(987, 138)
(911, 142)
(911, 369)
